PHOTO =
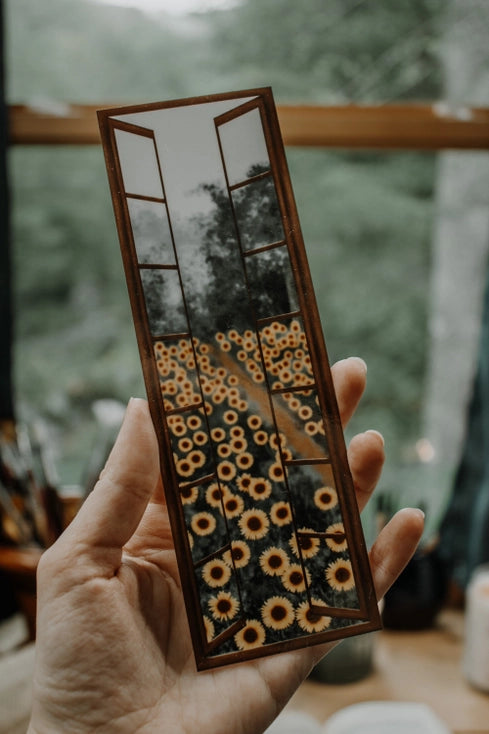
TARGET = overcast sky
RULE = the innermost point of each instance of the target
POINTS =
(177, 7)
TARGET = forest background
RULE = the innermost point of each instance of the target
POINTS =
(368, 218)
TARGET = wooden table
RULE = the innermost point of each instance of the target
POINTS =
(410, 666)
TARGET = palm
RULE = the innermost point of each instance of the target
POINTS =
(114, 649)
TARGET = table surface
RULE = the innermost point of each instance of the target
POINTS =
(424, 667)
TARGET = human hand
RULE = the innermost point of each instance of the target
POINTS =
(113, 647)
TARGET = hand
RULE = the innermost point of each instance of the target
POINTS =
(113, 646)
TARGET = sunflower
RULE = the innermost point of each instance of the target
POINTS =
(216, 573)
(293, 579)
(325, 498)
(230, 417)
(188, 494)
(260, 488)
(339, 575)
(218, 434)
(306, 546)
(260, 437)
(203, 523)
(177, 425)
(226, 470)
(233, 505)
(239, 554)
(236, 432)
(238, 444)
(305, 412)
(185, 468)
(281, 514)
(274, 561)
(209, 628)
(245, 460)
(254, 422)
(244, 482)
(337, 542)
(185, 444)
(252, 635)
(276, 472)
(200, 438)
(277, 613)
(194, 422)
(224, 450)
(254, 524)
(196, 458)
(213, 495)
(308, 620)
(311, 428)
(223, 606)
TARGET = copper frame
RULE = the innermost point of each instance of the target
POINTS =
(318, 460)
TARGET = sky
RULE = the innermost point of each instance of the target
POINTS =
(176, 7)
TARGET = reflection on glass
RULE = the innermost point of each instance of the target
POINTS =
(179, 381)
(271, 283)
(243, 146)
(204, 521)
(151, 232)
(299, 419)
(139, 166)
(219, 596)
(258, 214)
(164, 301)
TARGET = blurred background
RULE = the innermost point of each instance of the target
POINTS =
(397, 241)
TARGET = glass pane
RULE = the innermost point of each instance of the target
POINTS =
(271, 283)
(258, 214)
(164, 301)
(151, 232)
(243, 146)
(139, 164)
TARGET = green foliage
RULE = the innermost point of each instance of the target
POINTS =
(366, 217)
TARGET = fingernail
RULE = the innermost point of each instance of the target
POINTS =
(361, 362)
(376, 433)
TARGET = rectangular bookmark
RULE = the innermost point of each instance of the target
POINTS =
(262, 507)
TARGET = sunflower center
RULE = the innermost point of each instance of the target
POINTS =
(305, 543)
(186, 492)
(342, 575)
(224, 606)
(296, 578)
(250, 635)
(231, 505)
(254, 523)
(260, 487)
(238, 554)
(203, 523)
(282, 513)
(311, 617)
(275, 561)
(217, 572)
(325, 497)
(278, 612)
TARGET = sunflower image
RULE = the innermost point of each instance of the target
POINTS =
(177, 426)
(260, 488)
(203, 523)
(238, 444)
(236, 432)
(233, 505)
(260, 437)
(243, 404)
(337, 540)
(213, 495)
(200, 438)
(209, 628)
(311, 428)
(245, 460)
(281, 513)
(276, 472)
(218, 434)
(230, 417)
(234, 335)
(254, 422)
(194, 422)
(293, 579)
(339, 575)
(216, 573)
(325, 498)
(185, 445)
(226, 470)
(185, 468)
(239, 554)
(188, 495)
(277, 613)
(241, 355)
(274, 561)
(244, 482)
(224, 606)
(305, 412)
(196, 458)
(254, 524)
(306, 546)
(252, 635)
(224, 450)
(308, 620)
